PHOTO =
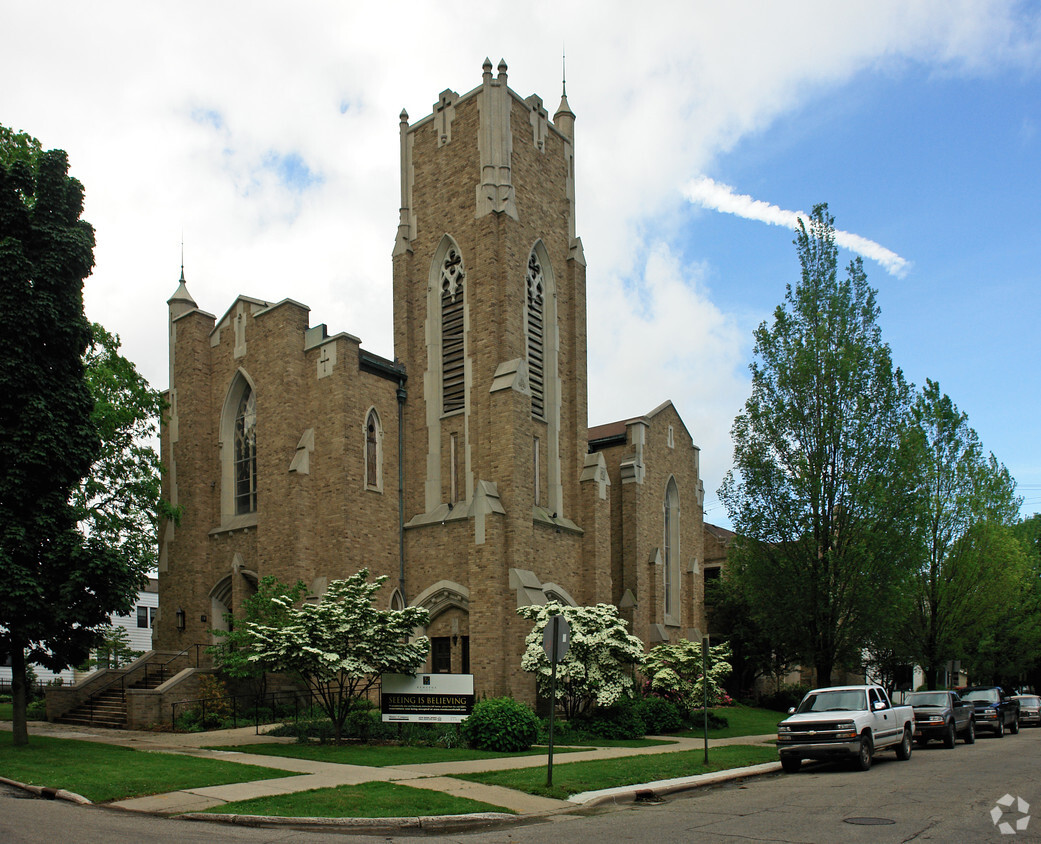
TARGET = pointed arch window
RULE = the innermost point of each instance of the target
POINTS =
(245, 466)
(535, 330)
(373, 451)
(453, 385)
(671, 546)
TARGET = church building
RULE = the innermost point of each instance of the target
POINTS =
(464, 469)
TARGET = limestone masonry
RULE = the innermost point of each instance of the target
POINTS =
(464, 470)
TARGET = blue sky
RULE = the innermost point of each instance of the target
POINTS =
(268, 142)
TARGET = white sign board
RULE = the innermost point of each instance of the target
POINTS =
(427, 698)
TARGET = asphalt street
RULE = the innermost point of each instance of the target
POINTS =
(937, 795)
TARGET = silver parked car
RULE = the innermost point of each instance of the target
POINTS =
(1029, 710)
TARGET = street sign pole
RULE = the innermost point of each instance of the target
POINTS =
(552, 704)
(556, 639)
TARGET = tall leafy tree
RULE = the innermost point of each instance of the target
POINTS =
(968, 567)
(59, 585)
(818, 487)
(119, 499)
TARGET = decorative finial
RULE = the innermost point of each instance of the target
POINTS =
(403, 117)
(487, 66)
(182, 257)
(502, 65)
(563, 71)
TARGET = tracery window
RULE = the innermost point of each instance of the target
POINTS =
(453, 386)
(535, 330)
(246, 454)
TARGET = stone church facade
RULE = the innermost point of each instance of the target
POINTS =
(464, 470)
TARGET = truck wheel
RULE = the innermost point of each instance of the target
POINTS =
(1000, 731)
(790, 764)
(949, 737)
(864, 754)
(970, 733)
(1014, 729)
(903, 750)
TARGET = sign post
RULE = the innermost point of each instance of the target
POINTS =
(556, 639)
(704, 687)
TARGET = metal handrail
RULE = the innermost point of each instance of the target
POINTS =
(121, 680)
(162, 666)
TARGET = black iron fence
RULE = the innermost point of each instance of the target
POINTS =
(230, 711)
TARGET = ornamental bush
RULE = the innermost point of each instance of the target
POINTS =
(501, 724)
(622, 720)
(660, 715)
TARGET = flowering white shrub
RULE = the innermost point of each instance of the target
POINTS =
(674, 670)
(340, 645)
(599, 665)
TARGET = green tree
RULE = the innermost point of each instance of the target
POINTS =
(119, 499)
(114, 651)
(675, 670)
(818, 493)
(60, 586)
(960, 589)
(754, 651)
(341, 645)
(599, 665)
(268, 606)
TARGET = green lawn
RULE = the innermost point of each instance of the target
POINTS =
(742, 721)
(376, 755)
(575, 777)
(367, 800)
(101, 772)
(6, 711)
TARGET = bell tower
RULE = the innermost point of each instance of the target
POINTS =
(490, 323)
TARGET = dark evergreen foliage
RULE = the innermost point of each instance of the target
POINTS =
(60, 586)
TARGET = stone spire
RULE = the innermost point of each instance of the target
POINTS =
(181, 302)
(564, 119)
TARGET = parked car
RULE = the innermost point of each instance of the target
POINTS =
(1029, 710)
(995, 710)
(942, 715)
(844, 722)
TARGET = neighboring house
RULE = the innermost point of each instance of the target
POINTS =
(138, 625)
(463, 469)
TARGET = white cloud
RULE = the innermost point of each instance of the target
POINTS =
(660, 93)
(709, 193)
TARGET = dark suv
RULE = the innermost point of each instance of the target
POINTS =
(995, 710)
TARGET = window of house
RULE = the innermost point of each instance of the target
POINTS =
(671, 546)
(246, 454)
(537, 467)
(534, 326)
(453, 386)
(146, 617)
(372, 451)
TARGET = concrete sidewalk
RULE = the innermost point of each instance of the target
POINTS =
(438, 776)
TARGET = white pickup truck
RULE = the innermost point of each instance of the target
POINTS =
(844, 722)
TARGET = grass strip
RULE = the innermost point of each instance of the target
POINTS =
(366, 800)
(575, 777)
(379, 756)
(102, 772)
(741, 721)
(6, 711)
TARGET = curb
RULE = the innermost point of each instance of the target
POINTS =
(629, 793)
(430, 823)
(49, 793)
